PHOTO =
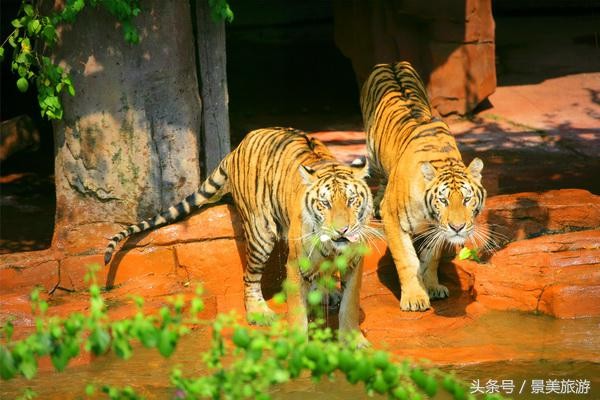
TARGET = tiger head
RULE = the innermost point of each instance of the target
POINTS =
(454, 196)
(337, 204)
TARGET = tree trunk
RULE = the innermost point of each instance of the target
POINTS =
(213, 77)
(128, 144)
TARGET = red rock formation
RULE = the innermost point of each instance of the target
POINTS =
(557, 273)
(451, 44)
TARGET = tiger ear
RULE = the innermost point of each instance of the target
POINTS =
(307, 174)
(360, 168)
(428, 171)
(475, 168)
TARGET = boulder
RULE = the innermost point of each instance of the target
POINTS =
(527, 215)
(451, 45)
(555, 274)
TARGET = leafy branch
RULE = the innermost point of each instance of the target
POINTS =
(35, 34)
(242, 362)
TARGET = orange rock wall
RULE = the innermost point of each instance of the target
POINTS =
(553, 267)
(450, 43)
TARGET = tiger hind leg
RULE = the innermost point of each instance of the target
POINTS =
(257, 310)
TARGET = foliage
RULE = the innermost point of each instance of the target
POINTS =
(220, 10)
(468, 254)
(35, 34)
(243, 362)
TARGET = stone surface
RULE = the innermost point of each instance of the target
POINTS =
(554, 274)
(557, 274)
(21, 272)
(128, 143)
(525, 215)
(18, 134)
(450, 45)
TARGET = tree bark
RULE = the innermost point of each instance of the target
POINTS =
(128, 144)
(213, 77)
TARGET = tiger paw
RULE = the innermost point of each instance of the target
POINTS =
(438, 292)
(260, 315)
(353, 338)
(362, 342)
(414, 299)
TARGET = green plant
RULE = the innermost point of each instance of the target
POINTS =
(35, 34)
(220, 10)
(467, 253)
(243, 362)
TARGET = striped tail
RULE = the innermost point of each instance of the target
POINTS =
(210, 191)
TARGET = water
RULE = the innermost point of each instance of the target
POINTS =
(550, 349)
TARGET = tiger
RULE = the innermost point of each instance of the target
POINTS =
(286, 185)
(428, 198)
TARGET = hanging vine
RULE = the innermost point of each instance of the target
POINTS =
(35, 34)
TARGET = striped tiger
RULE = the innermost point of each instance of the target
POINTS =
(428, 196)
(286, 185)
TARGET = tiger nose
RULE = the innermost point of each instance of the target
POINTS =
(342, 230)
(455, 227)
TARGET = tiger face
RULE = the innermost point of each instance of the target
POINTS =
(454, 196)
(337, 204)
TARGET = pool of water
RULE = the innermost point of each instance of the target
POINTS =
(553, 351)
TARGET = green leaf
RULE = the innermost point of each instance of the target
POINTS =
(1, 54)
(28, 367)
(381, 359)
(60, 359)
(304, 264)
(166, 342)
(7, 364)
(241, 338)
(12, 38)
(468, 254)
(22, 85)
(315, 297)
(90, 389)
(341, 263)
(78, 5)
(49, 34)
(28, 9)
(400, 393)
(34, 27)
(99, 340)
(122, 348)
(279, 298)
(8, 330)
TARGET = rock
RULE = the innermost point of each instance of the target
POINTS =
(18, 134)
(555, 274)
(127, 145)
(21, 272)
(526, 215)
(451, 45)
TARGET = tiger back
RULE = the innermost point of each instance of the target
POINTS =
(428, 197)
(285, 185)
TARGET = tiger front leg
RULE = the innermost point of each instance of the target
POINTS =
(297, 296)
(257, 310)
(378, 198)
(430, 260)
(414, 297)
(349, 313)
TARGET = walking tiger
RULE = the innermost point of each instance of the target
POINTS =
(288, 186)
(428, 196)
